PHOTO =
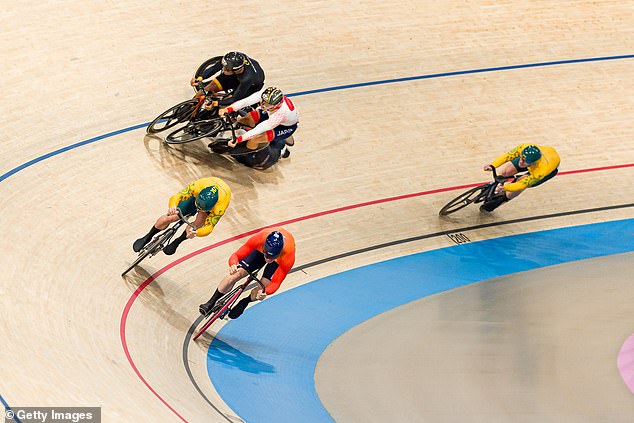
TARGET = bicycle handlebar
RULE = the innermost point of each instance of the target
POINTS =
(501, 179)
(184, 219)
(252, 276)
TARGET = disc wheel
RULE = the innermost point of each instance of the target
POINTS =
(194, 131)
(172, 116)
(207, 64)
(463, 200)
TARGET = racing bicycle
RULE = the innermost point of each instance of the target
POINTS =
(224, 303)
(160, 241)
(480, 194)
(220, 131)
(186, 111)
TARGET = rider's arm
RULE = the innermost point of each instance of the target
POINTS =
(182, 195)
(214, 214)
(272, 122)
(212, 70)
(242, 91)
(285, 264)
(210, 222)
(538, 171)
(252, 244)
(507, 157)
(252, 99)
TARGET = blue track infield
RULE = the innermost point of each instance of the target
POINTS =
(263, 364)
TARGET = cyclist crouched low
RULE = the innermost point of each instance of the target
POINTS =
(274, 121)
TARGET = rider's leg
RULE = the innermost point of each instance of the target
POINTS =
(238, 309)
(509, 169)
(254, 142)
(160, 224)
(198, 222)
(253, 262)
(223, 287)
(498, 200)
(247, 120)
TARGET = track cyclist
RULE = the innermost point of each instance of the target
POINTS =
(207, 198)
(274, 121)
(241, 76)
(272, 248)
(540, 161)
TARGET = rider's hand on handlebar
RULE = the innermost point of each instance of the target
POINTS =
(233, 269)
(488, 168)
(172, 211)
(193, 82)
(258, 294)
(209, 104)
(191, 233)
(499, 189)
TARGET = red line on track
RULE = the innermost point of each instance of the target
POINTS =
(137, 292)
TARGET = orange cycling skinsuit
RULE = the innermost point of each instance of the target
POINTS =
(284, 261)
(271, 248)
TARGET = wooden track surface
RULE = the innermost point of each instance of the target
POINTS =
(73, 70)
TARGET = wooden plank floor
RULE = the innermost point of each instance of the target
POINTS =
(72, 71)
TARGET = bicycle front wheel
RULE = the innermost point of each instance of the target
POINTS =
(463, 200)
(194, 131)
(172, 116)
(220, 307)
(138, 260)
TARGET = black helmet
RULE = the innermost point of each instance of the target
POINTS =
(233, 61)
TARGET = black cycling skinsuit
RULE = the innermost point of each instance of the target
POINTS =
(243, 84)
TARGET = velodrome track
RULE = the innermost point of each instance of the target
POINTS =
(379, 152)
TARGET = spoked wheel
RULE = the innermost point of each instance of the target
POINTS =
(206, 65)
(463, 200)
(220, 308)
(194, 131)
(172, 116)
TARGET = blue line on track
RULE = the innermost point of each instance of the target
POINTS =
(322, 90)
(7, 408)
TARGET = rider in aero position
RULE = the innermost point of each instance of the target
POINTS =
(240, 77)
(207, 198)
(274, 121)
(271, 247)
(540, 161)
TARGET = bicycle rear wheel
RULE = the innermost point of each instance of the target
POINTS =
(152, 248)
(194, 131)
(205, 65)
(463, 200)
(172, 116)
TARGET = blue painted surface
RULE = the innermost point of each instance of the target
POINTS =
(263, 363)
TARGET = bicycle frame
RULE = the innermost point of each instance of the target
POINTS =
(233, 295)
(478, 194)
(160, 241)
